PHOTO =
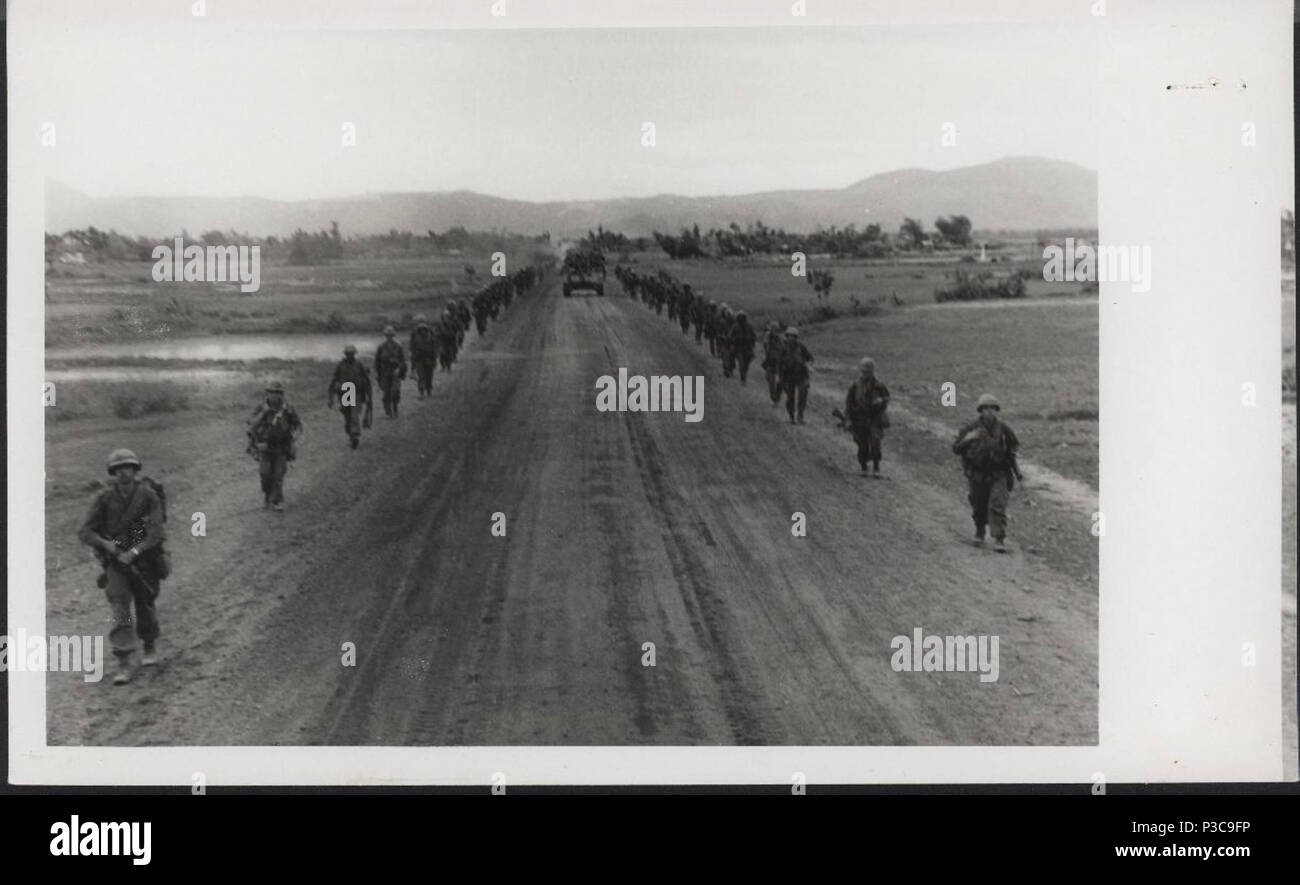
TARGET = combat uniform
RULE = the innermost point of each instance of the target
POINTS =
(773, 345)
(447, 346)
(351, 371)
(122, 519)
(988, 460)
(424, 357)
(463, 318)
(741, 346)
(271, 431)
(390, 369)
(795, 377)
(865, 408)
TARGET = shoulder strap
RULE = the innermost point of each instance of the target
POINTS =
(124, 519)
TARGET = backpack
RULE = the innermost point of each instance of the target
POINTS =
(159, 491)
(157, 561)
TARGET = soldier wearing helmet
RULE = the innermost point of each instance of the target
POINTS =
(740, 345)
(773, 344)
(795, 375)
(726, 322)
(271, 433)
(350, 387)
(864, 408)
(988, 447)
(125, 527)
(390, 369)
(448, 335)
(460, 309)
(424, 355)
(685, 307)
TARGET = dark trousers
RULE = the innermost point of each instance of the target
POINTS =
(125, 591)
(868, 438)
(352, 421)
(424, 374)
(988, 497)
(272, 469)
(793, 390)
(392, 387)
(743, 359)
(773, 384)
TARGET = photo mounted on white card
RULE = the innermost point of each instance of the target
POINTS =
(589, 393)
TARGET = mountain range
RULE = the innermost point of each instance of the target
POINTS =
(1014, 193)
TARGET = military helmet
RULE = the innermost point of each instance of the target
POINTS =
(866, 363)
(987, 401)
(351, 348)
(792, 332)
(275, 387)
(389, 330)
(420, 319)
(122, 457)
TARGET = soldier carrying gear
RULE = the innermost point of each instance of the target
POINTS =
(463, 318)
(447, 340)
(351, 387)
(988, 453)
(271, 433)
(685, 309)
(390, 369)
(773, 345)
(741, 344)
(726, 321)
(795, 376)
(125, 527)
(864, 409)
(424, 356)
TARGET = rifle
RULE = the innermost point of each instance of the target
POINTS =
(133, 571)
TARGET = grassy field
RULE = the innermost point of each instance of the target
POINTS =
(116, 301)
(767, 286)
(157, 386)
(1040, 356)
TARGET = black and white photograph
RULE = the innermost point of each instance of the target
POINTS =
(641, 382)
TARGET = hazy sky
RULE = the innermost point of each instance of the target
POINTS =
(554, 114)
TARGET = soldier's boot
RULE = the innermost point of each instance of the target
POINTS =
(875, 468)
(1000, 545)
(278, 507)
(979, 535)
(150, 656)
(356, 441)
(266, 502)
(123, 674)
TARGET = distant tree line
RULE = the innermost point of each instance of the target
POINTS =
(871, 241)
(299, 248)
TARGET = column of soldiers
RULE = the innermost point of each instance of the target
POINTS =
(125, 522)
(730, 335)
(987, 446)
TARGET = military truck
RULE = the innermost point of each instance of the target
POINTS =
(580, 271)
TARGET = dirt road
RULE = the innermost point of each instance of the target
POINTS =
(621, 530)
